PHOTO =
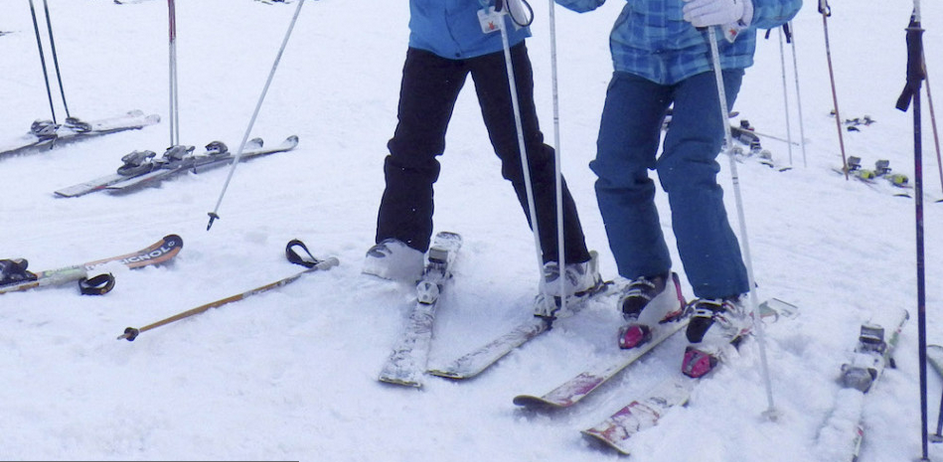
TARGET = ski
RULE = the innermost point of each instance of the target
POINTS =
(745, 135)
(580, 386)
(158, 252)
(841, 437)
(617, 430)
(217, 155)
(475, 362)
(871, 177)
(142, 168)
(407, 362)
(44, 134)
(313, 265)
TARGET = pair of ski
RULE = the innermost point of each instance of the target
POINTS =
(141, 168)
(872, 177)
(617, 430)
(159, 252)
(46, 134)
(746, 135)
(841, 436)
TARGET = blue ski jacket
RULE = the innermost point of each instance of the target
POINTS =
(452, 29)
(651, 39)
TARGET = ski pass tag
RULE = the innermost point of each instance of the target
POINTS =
(490, 21)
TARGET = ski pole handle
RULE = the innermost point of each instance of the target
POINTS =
(328, 263)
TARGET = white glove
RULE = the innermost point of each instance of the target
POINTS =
(706, 13)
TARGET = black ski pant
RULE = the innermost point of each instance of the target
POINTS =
(430, 87)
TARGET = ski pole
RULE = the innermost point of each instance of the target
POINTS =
(826, 12)
(42, 61)
(214, 214)
(771, 412)
(911, 93)
(558, 158)
(791, 38)
(936, 135)
(172, 67)
(525, 165)
(782, 64)
(55, 59)
(313, 265)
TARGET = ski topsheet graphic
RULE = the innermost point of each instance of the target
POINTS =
(158, 252)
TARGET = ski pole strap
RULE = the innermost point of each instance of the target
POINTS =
(916, 70)
(294, 257)
(309, 261)
(97, 285)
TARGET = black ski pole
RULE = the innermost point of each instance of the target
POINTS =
(42, 61)
(55, 58)
(911, 93)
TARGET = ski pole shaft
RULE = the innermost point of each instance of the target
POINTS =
(172, 78)
(522, 147)
(42, 61)
(745, 241)
(782, 64)
(558, 158)
(132, 333)
(214, 214)
(936, 135)
(55, 58)
(826, 12)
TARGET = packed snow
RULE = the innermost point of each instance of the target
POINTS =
(291, 374)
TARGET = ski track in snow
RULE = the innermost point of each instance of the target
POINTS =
(291, 374)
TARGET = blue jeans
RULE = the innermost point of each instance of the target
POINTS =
(627, 148)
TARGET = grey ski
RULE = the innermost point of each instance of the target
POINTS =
(407, 362)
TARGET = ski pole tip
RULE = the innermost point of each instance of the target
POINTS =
(130, 334)
(213, 217)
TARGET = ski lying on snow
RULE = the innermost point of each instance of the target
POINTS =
(407, 362)
(475, 362)
(617, 430)
(841, 437)
(159, 252)
(46, 134)
(577, 388)
(140, 168)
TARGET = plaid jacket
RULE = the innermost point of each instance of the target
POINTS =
(650, 38)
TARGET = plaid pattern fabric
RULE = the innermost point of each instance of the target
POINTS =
(651, 39)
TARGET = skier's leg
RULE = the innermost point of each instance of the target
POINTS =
(629, 134)
(491, 82)
(429, 89)
(688, 172)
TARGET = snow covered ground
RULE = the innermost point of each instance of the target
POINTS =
(291, 375)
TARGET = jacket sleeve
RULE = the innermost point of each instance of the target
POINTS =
(768, 14)
(580, 6)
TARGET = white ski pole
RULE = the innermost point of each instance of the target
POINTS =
(771, 412)
(525, 165)
(214, 214)
(558, 171)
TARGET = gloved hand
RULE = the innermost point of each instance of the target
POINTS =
(706, 13)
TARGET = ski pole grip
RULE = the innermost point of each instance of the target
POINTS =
(327, 263)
